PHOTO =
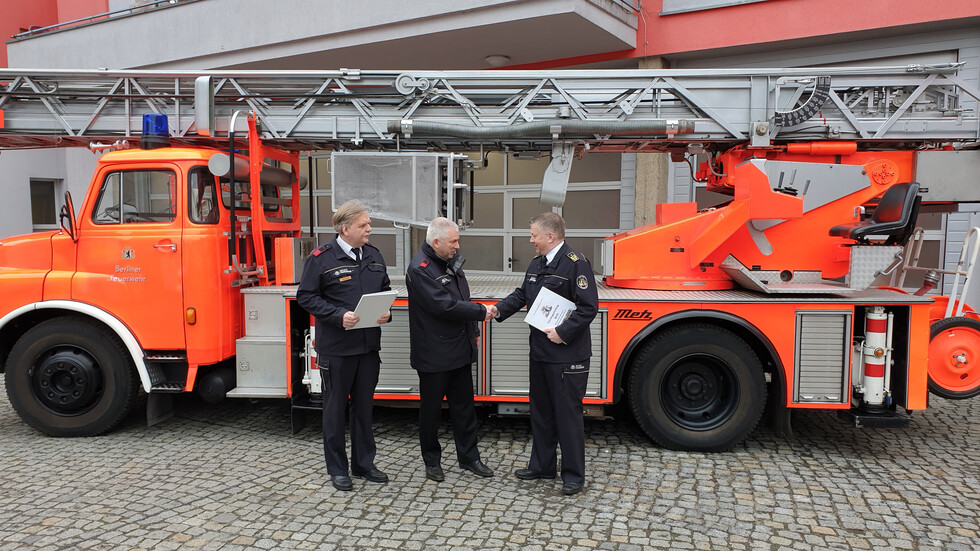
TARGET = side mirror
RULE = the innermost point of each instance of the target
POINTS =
(67, 218)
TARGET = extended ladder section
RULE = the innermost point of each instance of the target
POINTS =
(610, 110)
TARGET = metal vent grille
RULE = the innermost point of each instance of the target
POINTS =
(402, 187)
(823, 344)
(397, 375)
(509, 355)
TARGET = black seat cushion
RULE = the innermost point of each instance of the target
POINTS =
(894, 216)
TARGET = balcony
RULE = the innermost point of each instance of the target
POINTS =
(288, 34)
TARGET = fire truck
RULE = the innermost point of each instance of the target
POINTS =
(177, 271)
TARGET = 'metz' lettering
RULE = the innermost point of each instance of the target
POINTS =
(630, 314)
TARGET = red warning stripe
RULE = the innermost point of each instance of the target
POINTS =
(877, 326)
(874, 370)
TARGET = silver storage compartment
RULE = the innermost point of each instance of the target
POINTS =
(823, 353)
(508, 353)
(260, 368)
(397, 375)
(265, 311)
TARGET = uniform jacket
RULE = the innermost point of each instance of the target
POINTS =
(569, 275)
(332, 284)
(443, 323)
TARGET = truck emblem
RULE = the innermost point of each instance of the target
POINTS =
(630, 314)
(128, 253)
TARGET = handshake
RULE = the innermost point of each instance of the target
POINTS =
(491, 313)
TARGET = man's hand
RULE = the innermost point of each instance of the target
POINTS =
(491, 312)
(350, 319)
(384, 319)
(553, 335)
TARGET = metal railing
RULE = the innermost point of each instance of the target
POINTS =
(33, 31)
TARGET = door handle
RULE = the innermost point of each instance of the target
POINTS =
(171, 246)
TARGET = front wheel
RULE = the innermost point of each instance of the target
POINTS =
(954, 358)
(69, 377)
(697, 387)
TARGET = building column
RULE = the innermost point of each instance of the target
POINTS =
(652, 168)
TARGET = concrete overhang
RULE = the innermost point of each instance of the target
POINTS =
(298, 34)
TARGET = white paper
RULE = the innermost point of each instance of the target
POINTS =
(371, 307)
(549, 310)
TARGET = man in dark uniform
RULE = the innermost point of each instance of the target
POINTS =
(559, 357)
(334, 278)
(444, 328)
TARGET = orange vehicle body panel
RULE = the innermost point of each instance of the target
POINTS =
(136, 272)
(686, 253)
(24, 263)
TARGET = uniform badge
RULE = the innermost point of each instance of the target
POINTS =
(345, 278)
(582, 282)
(424, 263)
(572, 255)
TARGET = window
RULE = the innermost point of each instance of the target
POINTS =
(682, 6)
(44, 204)
(202, 199)
(137, 197)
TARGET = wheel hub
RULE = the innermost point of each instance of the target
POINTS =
(700, 392)
(693, 386)
(67, 380)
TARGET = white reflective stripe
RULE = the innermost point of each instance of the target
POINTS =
(121, 331)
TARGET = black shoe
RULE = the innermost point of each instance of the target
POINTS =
(571, 488)
(342, 482)
(477, 467)
(373, 475)
(528, 474)
(435, 473)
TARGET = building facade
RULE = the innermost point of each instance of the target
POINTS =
(608, 192)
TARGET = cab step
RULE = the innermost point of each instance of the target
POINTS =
(167, 371)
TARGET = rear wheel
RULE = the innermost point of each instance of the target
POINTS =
(68, 377)
(954, 358)
(697, 388)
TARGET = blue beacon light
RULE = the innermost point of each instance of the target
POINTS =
(156, 131)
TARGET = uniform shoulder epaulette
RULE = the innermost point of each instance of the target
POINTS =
(424, 262)
(572, 255)
(322, 248)
(372, 246)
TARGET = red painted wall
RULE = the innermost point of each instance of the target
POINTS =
(776, 20)
(20, 15)
(769, 21)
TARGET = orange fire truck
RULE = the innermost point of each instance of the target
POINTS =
(177, 271)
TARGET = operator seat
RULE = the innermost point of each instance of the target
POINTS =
(894, 216)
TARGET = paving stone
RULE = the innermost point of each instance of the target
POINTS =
(233, 476)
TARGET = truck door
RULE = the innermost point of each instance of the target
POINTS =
(129, 253)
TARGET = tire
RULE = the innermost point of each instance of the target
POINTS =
(954, 358)
(698, 388)
(69, 377)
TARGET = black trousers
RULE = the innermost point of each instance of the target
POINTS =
(556, 418)
(354, 377)
(457, 387)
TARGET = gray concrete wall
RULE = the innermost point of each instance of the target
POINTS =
(17, 168)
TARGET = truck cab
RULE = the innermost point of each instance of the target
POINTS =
(136, 290)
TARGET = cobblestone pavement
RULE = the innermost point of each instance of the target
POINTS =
(233, 476)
